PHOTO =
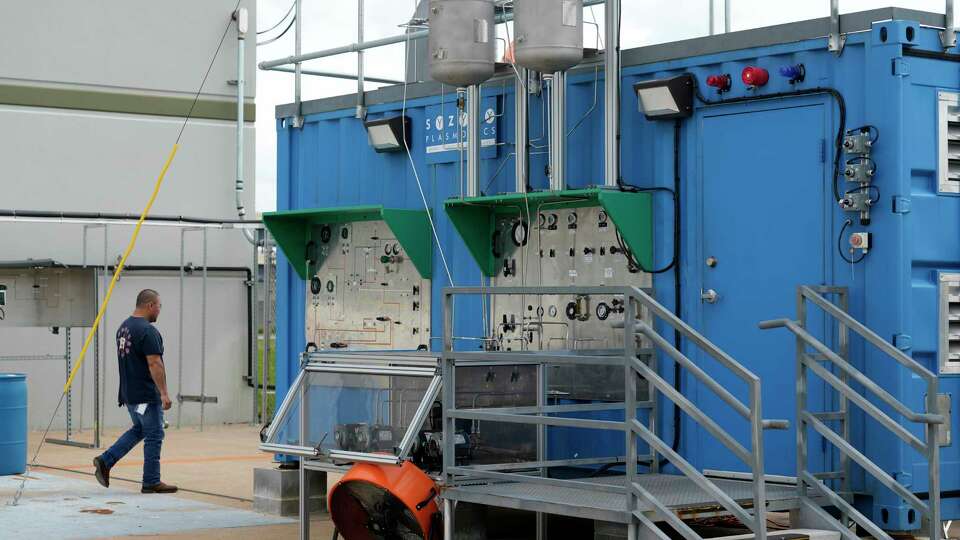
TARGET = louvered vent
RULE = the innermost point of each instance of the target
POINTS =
(949, 178)
(949, 323)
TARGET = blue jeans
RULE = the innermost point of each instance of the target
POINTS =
(148, 428)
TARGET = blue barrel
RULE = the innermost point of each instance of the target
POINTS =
(13, 423)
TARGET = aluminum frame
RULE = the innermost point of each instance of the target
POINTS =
(931, 419)
(362, 363)
(634, 301)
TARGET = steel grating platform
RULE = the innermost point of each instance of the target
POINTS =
(676, 492)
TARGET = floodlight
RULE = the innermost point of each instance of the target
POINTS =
(388, 134)
(665, 99)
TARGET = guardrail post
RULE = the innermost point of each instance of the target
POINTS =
(801, 397)
(933, 459)
(630, 404)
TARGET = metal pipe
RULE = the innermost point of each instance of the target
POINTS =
(334, 75)
(105, 218)
(241, 17)
(611, 127)
(558, 131)
(949, 36)
(254, 367)
(727, 23)
(203, 333)
(298, 41)
(264, 374)
(710, 18)
(522, 131)
(180, 340)
(835, 38)
(361, 105)
(373, 44)
(473, 140)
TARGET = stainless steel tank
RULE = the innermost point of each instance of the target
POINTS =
(549, 34)
(462, 47)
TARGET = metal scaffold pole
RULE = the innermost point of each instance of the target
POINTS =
(267, 278)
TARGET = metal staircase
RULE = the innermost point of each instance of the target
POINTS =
(839, 374)
(631, 498)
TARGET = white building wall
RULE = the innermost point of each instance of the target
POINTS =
(144, 60)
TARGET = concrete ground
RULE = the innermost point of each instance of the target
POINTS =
(213, 468)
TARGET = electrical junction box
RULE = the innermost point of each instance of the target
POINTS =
(47, 295)
(367, 274)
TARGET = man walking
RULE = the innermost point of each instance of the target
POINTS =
(143, 389)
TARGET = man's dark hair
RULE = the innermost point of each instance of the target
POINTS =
(146, 296)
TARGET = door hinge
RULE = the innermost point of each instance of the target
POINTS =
(903, 342)
(901, 205)
(900, 68)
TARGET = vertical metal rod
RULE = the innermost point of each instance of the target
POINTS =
(448, 403)
(611, 127)
(96, 381)
(203, 333)
(103, 323)
(558, 131)
(83, 337)
(933, 460)
(241, 97)
(522, 133)
(447, 519)
(361, 100)
(304, 477)
(183, 233)
(710, 18)
(267, 278)
(801, 386)
(542, 441)
(949, 36)
(630, 405)
(727, 21)
(835, 39)
(69, 364)
(254, 342)
(473, 140)
(298, 41)
(756, 451)
(844, 408)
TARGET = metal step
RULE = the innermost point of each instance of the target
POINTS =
(789, 534)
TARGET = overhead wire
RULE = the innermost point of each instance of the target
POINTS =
(287, 14)
(275, 38)
(119, 269)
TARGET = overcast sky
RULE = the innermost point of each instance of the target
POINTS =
(331, 23)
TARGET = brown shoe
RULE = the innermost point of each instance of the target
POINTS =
(102, 472)
(159, 488)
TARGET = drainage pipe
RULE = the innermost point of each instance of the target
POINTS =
(522, 135)
(558, 131)
(473, 140)
(241, 17)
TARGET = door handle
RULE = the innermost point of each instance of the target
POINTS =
(709, 296)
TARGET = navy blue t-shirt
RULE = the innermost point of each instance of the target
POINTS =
(137, 339)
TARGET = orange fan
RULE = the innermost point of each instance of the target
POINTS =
(381, 502)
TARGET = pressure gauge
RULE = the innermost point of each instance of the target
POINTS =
(572, 218)
(542, 221)
(602, 219)
(520, 233)
(603, 311)
(552, 311)
(552, 221)
(396, 248)
(386, 249)
(316, 285)
(325, 234)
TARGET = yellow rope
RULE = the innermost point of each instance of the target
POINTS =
(123, 262)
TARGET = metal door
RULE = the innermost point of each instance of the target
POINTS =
(763, 189)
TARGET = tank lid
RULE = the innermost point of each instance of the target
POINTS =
(12, 376)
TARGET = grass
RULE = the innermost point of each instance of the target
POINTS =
(271, 377)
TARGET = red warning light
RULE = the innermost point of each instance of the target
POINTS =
(754, 76)
(721, 82)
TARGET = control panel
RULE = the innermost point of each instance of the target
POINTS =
(561, 247)
(365, 292)
(47, 297)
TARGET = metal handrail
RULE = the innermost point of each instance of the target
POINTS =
(634, 300)
(929, 448)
